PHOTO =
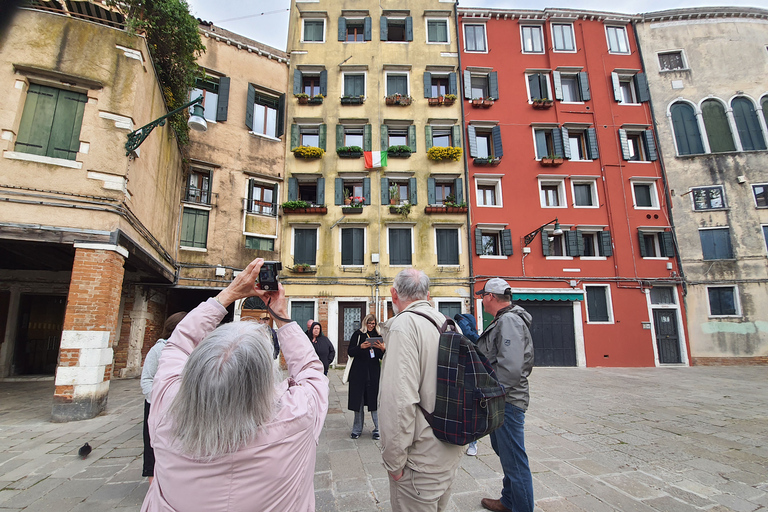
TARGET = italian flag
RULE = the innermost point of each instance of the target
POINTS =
(375, 159)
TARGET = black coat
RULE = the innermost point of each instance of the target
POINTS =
(324, 349)
(364, 374)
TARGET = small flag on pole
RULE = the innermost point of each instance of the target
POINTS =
(375, 159)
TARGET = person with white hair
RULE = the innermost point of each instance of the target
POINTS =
(227, 432)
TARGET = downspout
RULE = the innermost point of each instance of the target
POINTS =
(460, 94)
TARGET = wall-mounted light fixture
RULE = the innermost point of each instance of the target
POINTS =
(530, 236)
(196, 122)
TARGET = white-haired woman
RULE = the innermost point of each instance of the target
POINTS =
(227, 434)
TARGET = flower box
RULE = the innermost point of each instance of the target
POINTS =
(398, 99)
(433, 102)
(445, 209)
(317, 210)
(299, 269)
(551, 162)
(482, 103)
(448, 101)
(349, 152)
(438, 154)
(542, 104)
(303, 100)
(308, 152)
(352, 100)
(316, 100)
(398, 154)
(351, 209)
(487, 162)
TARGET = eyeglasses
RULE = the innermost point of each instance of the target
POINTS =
(371, 323)
(484, 293)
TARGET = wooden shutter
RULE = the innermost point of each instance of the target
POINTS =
(223, 107)
(641, 88)
(280, 123)
(431, 194)
(616, 87)
(478, 241)
(250, 100)
(384, 190)
(571, 243)
(717, 127)
(458, 190)
(384, 137)
(383, 28)
(412, 193)
(641, 237)
(67, 121)
(339, 136)
(367, 142)
(557, 142)
(249, 201)
(566, 143)
(324, 82)
(506, 242)
(427, 84)
(452, 86)
(367, 30)
(342, 29)
(624, 144)
(498, 148)
(472, 141)
(534, 86)
(686, 129)
(558, 85)
(606, 247)
(541, 143)
(592, 146)
(456, 136)
(650, 144)
(347, 246)
(580, 243)
(293, 189)
(322, 134)
(545, 242)
(320, 192)
(37, 119)
(447, 246)
(338, 191)
(428, 136)
(493, 85)
(584, 86)
(408, 28)
(367, 190)
(294, 136)
(467, 85)
(543, 86)
(298, 80)
(668, 244)
(412, 137)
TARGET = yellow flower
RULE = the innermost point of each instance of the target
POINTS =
(440, 153)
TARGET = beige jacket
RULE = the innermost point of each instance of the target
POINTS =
(409, 377)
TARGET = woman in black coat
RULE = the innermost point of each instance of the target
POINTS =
(322, 345)
(364, 375)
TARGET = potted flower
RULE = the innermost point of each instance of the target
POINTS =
(400, 151)
(551, 160)
(403, 209)
(453, 207)
(349, 151)
(398, 99)
(449, 99)
(347, 198)
(487, 161)
(439, 154)
(541, 103)
(317, 99)
(354, 206)
(352, 100)
(302, 268)
(302, 97)
(308, 152)
(300, 206)
(433, 102)
(394, 194)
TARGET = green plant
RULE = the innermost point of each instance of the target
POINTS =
(404, 209)
(354, 204)
(450, 199)
(347, 193)
(302, 266)
(399, 149)
(302, 95)
(318, 97)
(294, 205)
(394, 192)
(437, 153)
(450, 97)
(308, 152)
(349, 149)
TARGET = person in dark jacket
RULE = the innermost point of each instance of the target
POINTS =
(322, 345)
(364, 375)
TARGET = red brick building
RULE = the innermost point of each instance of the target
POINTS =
(568, 196)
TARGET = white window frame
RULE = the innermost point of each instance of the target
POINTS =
(435, 227)
(585, 181)
(489, 180)
(550, 94)
(754, 195)
(608, 302)
(304, 226)
(572, 130)
(574, 76)
(534, 128)
(623, 29)
(736, 301)
(400, 226)
(562, 198)
(541, 38)
(498, 229)
(355, 73)
(437, 301)
(654, 194)
(656, 232)
(630, 79)
(722, 195)
(573, 36)
(563, 245)
(365, 242)
(596, 242)
(682, 57)
(250, 182)
(325, 26)
(485, 36)
(399, 73)
(354, 19)
(195, 206)
(447, 30)
(765, 236)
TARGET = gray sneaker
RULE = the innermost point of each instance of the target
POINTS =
(376, 436)
(472, 448)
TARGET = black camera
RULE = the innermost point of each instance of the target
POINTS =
(268, 275)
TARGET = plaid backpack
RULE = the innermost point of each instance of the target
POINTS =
(470, 400)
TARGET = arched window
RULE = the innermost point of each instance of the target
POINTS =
(686, 128)
(716, 123)
(764, 103)
(750, 134)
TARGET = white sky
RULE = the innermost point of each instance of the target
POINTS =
(267, 21)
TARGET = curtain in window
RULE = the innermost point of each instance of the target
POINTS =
(750, 133)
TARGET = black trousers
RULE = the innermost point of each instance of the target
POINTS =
(149, 453)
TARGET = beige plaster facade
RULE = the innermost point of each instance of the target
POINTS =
(695, 60)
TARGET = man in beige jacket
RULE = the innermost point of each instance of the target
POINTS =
(420, 466)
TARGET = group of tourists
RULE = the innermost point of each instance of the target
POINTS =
(229, 433)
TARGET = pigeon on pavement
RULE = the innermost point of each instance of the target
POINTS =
(84, 451)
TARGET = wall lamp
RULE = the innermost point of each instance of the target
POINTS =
(196, 122)
(530, 236)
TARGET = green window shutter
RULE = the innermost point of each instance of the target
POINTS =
(748, 126)
(579, 242)
(566, 143)
(324, 82)
(493, 84)
(412, 137)
(467, 85)
(545, 243)
(541, 144)
(384, 190)
(384, 137)
(498, 148)
(412, 193)
(447, 246)
(383, 29)
(452, 86)
(650, 144)
(367, 190)
(534, 86)
(557, 142)
(427, 84)
(456, 136)
(305, 246)
(194, 228)
(606, 247)
(543, 85)
(428, 137)
(367, 30)
(280, 124)
(687, 134)
(668, 244)
(717, 127)
(458, 190)
(294, 136)
(249, 204)
(472, 141)
(342, 28)
(223, 106)
(616, 87)
(478, 241)
(558, 85)
(67, 121)
(367, 143)
(347, 246)
(624, 144)
(408, 28)
(339, 136)
(592, 138)
(293, 189)
(641, 87)
(641, 237)
(571, 243)
(338, 191)
(431, 194)
(506, 242)
(37, 120)
(298, 79)
(322, 135)
(320, 191)
(584, 86)
(250, 100)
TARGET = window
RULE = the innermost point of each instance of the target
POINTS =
(656, 244)
(404, 190)
(553, 245)
(662, 295)
(437, 31)
(584, 194)
(352, 187)
(354, 84)
(686, 129)
(302, 311)
(353, 135)
(310, 83)
(51, 121)
(398, 135)
(309, 136)
(493, 241)
(630, 89)
(400, 247)
(750, 133)
(589, 244)
(354, 30)
(638, 146)
(718, 129)
(708, 198)
(261, 198)
(617, 39)
(488, 192)
(439, 84)
(215, 91)
(306, 188)
(765, 235)
(305, 246)
(264, 114)
(716, 244)
(580, 143)
(761, 195)
(198, 187)
(645, 195)
(533, 39)
(764, 103)
(194, 228)
(670, 61)
(538, 86)
(439, 191)
(396, 29)
(352, 246)
(723, 301)
(449, 308)
(314, 30)
(485, 143)
(598, 304)
(474, 38)
(447, 246)
(549, 142)
(562, 37)
(397, 84)
(552, 194)
(571, 87)
(259, 244)
(442, 136)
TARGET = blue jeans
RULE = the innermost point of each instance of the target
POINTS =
(508, 442)
(357, 426)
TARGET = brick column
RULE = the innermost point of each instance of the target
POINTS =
(90, 329)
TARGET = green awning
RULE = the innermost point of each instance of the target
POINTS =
(567, 296)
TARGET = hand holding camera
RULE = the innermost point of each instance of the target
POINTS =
(256, 280)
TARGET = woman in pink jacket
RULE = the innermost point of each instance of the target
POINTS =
(228, 435)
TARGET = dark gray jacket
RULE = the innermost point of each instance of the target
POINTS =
(507, 344)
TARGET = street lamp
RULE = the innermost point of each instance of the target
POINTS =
(530, 236)
(196, 122)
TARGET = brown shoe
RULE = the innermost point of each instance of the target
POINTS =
(494, 505)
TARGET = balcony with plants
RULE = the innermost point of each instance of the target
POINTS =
(450, 205)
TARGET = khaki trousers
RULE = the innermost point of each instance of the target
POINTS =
(421, 492)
